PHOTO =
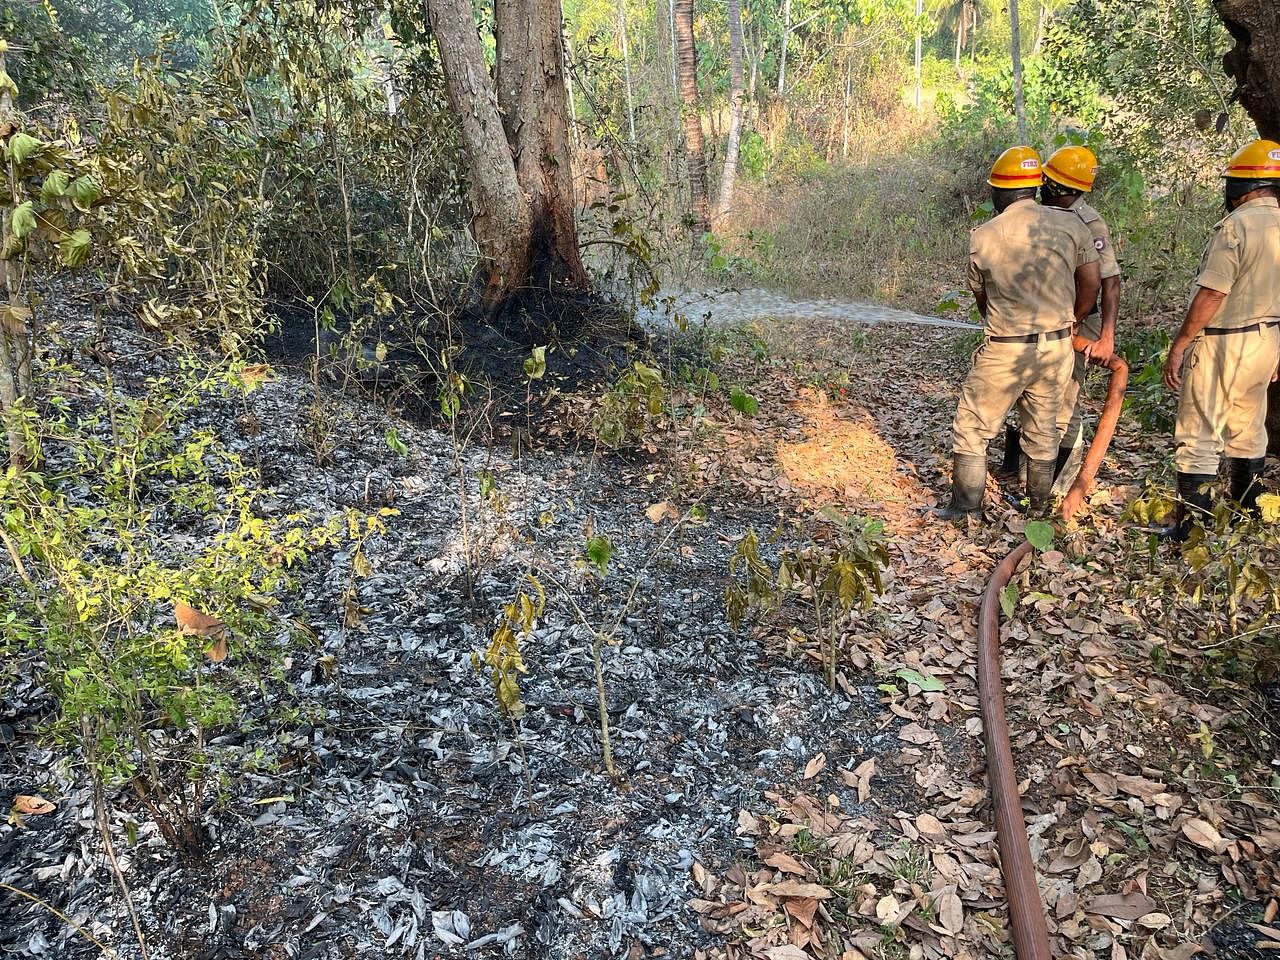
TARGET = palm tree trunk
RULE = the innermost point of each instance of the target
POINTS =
(687, 67)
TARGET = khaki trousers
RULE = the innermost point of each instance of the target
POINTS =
(1033, 376)
(1222, 406)
(1071, 416)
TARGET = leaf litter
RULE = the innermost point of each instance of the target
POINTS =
(757, 815)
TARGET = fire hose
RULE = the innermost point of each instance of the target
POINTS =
(1026, 910)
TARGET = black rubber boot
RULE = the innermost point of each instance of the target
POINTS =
(968, 481)
(1012, 464)
(1064, 454)
(1194, 505)
(1040, 474)
(1246, 477)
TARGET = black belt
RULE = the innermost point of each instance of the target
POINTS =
(1034, 337)
(1251, 328)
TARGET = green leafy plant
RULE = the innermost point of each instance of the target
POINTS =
(631, 406)
(833, 576)
(148, 643)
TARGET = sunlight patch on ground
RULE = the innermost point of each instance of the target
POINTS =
(840, 457)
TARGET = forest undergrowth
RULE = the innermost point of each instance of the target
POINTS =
(406, 736)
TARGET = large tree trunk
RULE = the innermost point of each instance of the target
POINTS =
(515, 131)
(1254, 61)
(1254, 64)
(687, 67)
(728, 177)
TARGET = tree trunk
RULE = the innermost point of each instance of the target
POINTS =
(1015, 50)
(626, 69)
(17, 325)
(1254, 61)
(728, 177)
(687, 66)
(782, 56)
(515, 132)
(919, 40)
(1254, 64)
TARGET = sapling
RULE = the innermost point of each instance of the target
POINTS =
(504, 662)
(834, 575)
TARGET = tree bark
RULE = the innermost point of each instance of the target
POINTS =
(782, 55)
(729, 175)
(17, 326)
(1254, 61)
(1015, 50)
(626, 69)
(687, 67)
(1254, 64)
(515, 132)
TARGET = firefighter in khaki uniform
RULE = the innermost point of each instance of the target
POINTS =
(1034, 273)
(1226, 352)
(1068, 175)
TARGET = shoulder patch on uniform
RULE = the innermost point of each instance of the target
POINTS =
(1100, 243)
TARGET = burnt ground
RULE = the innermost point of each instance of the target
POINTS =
(381, 805)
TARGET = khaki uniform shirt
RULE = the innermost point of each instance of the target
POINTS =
(1242, 260)
(1025, 261)
(1107, 262)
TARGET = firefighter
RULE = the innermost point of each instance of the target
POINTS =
(1226, 351)
(1034, 274)
(1068, 175)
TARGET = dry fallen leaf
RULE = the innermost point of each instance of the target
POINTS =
(786, 863)
(815, 766)
(803, 909)
(886, 907)
(1204, 835)
(663, 510)
(32, 805)
(192, 622)
(797, 888)
(254, 373)
(786, 952)
(1121, 906)
(950, 912)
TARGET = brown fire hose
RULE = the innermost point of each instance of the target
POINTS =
(1026, 910)
(1074, 499)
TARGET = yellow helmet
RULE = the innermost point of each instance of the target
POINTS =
(1017, 167)
(1259, 160)
(1073, 167)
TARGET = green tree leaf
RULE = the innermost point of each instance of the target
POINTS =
(1009, 599)
(744, 402)
(535, 365)
(55, 185)
(73, 249)
(395, 443)
(926, 682)
(1040, 534)
(23, 220)
(599, 552)
(84, 192)
(21, 146)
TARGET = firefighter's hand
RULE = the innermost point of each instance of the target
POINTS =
(1173, 367)
(1100, 351)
